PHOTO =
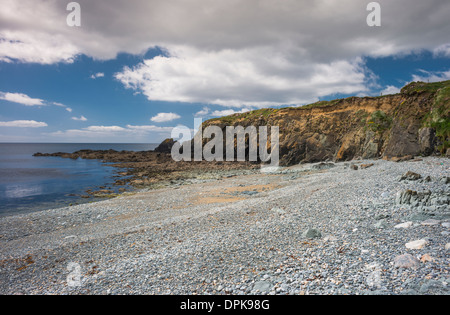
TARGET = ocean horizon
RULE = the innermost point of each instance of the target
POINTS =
(29, 183)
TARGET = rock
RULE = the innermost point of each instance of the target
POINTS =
(323, 166)
(330, 238)
(406, 261)
(426, 258)
(427, 140)
(401, 158)
(354, 167)
(447, 246)
(381, 225)
(416, 199)
(420, 244)
(430, 222)
(404, 197)
(405, 225)
(382, 217)
(364, 166)
(411, 176)
(312, 233)
(445, 180)
(165, 146)
(446, 225)
(433, 286)
(263, 286)
(279, 211)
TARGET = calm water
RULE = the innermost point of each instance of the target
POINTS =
(30, 183)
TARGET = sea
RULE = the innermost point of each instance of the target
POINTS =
(29, 184)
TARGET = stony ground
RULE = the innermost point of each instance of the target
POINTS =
(311, 229)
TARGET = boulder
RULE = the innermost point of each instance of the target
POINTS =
(427, 140)
(406, 261)
(420, 244)
(411, 176)
(312, 233)
(165, 146)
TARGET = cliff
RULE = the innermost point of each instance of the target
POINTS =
(413, 122)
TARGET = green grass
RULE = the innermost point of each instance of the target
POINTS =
(264, 113)
(422, 87)
(379, 122)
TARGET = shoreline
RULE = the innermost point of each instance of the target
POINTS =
(246, 234)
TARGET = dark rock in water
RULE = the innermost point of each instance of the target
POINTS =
(411, 176)
(165, 146)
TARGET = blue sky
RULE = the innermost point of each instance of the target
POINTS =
(134, 80)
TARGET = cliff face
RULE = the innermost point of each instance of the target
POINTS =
(414, 122)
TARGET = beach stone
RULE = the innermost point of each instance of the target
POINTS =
(447, 247)
(430, 222)
(406, 261)
(411, 176)
(405, 225)
(263, 286)
(426, 258)
(312, 233)
(381, 225)
(330, 238)
(420, 244)
(279, 211)
(446, 225)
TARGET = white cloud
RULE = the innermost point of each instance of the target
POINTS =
(228, 112)
(165, 117)
(64, 106)
(390, 89)
(204, 112)
(237, 53)
(150, 128)
(20, 98)
(253, 77)
(114, 134)
(104, 128)
(431, 76)
(443, 50)
(97, 75)
(23, 124)
(82, 118)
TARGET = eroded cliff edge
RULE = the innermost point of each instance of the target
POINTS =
(413, 122)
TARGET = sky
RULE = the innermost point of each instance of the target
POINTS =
(135, 69)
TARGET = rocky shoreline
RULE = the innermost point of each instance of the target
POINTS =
(360, 227)
(151, 169)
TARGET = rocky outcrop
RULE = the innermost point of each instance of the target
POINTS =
(165, 146)
(411, 123)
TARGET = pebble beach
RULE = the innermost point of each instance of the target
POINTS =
(350, 228)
